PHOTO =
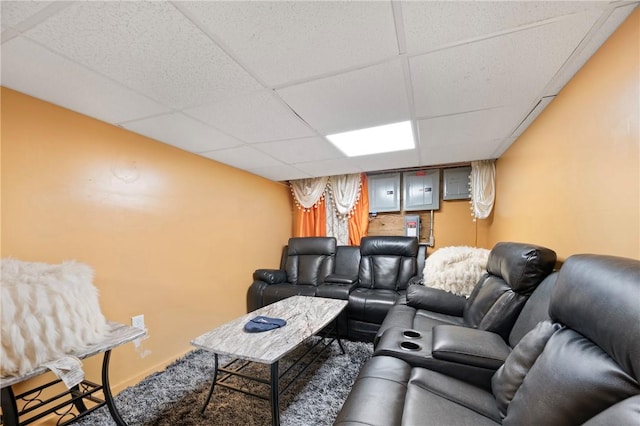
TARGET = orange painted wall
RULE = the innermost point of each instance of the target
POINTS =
(572, 180)
(170, 235)
(454, 226)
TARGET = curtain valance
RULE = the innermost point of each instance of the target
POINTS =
(308, 192)
(342, 214)
(345, 192)
(483, 188)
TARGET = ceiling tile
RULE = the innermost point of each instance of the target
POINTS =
(183, 132)
(432, 24)
(13, 13)
(31, 69)
(494, 72)
(149, 46)
(472, 127)
(257, 117)
(300, 150)
(389, 160)
(329, 167)
(289, 40)
(447, 154)
(243, 157)
(280, 173)
(367, 97)
(591, 45)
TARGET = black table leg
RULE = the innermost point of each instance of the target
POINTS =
(336, 327)
(79, 403)
(340, 344)
(213, 384)
(275, 395)
(9, 407)
(106, 389)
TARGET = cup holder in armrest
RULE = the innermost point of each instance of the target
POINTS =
(411, 334)
(410, 346)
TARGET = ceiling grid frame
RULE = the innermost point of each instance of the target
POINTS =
(371, 76)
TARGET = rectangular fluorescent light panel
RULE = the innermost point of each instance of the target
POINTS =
(375, 140)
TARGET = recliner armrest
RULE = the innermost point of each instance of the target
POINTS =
(436, 300)
(335, 290)
(340, 279)
(270, 276)
(469, 346)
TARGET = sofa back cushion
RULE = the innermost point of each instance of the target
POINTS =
(347, 261)
(513, 271)
(387, 262)
(586, 358)
(535, 310)
(310, 259)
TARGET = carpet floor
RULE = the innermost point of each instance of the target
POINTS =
(176, 395)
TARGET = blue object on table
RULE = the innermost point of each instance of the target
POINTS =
(260, 323)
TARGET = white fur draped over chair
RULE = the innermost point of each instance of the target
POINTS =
(48, 311)
(455, 269)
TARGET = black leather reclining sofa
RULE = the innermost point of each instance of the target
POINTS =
(371, 277)
(470, 338)
(572, 357)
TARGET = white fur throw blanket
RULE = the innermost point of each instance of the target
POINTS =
(48, 311)
(455, 269)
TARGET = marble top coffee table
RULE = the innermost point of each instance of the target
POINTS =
(305, 316)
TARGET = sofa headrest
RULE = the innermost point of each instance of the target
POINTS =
(312, 245)
(389, 246)
(521, 266)
(599, 297)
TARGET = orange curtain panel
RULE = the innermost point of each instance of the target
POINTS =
(359, 219)
(310, 217)
(310, 222)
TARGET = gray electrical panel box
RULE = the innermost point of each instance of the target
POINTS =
(384, 192)
(412, 226)
(421, 190)
(456, 183)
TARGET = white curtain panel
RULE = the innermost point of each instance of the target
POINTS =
(337, 226)
(483, 188)
(307, 192)
(345, 193)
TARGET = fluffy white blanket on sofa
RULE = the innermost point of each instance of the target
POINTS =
(48, 311)
(455, 269)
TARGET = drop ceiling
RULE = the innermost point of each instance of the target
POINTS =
(257, 85)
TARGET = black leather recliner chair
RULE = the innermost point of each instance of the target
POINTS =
(513, 272)
(306, 263)
(387, 266)
(580, 367)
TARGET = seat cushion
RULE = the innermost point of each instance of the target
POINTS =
(371, 305)
(378, 394)
(389, 392)
(445, 400)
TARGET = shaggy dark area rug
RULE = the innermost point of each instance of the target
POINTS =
(175, 396)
